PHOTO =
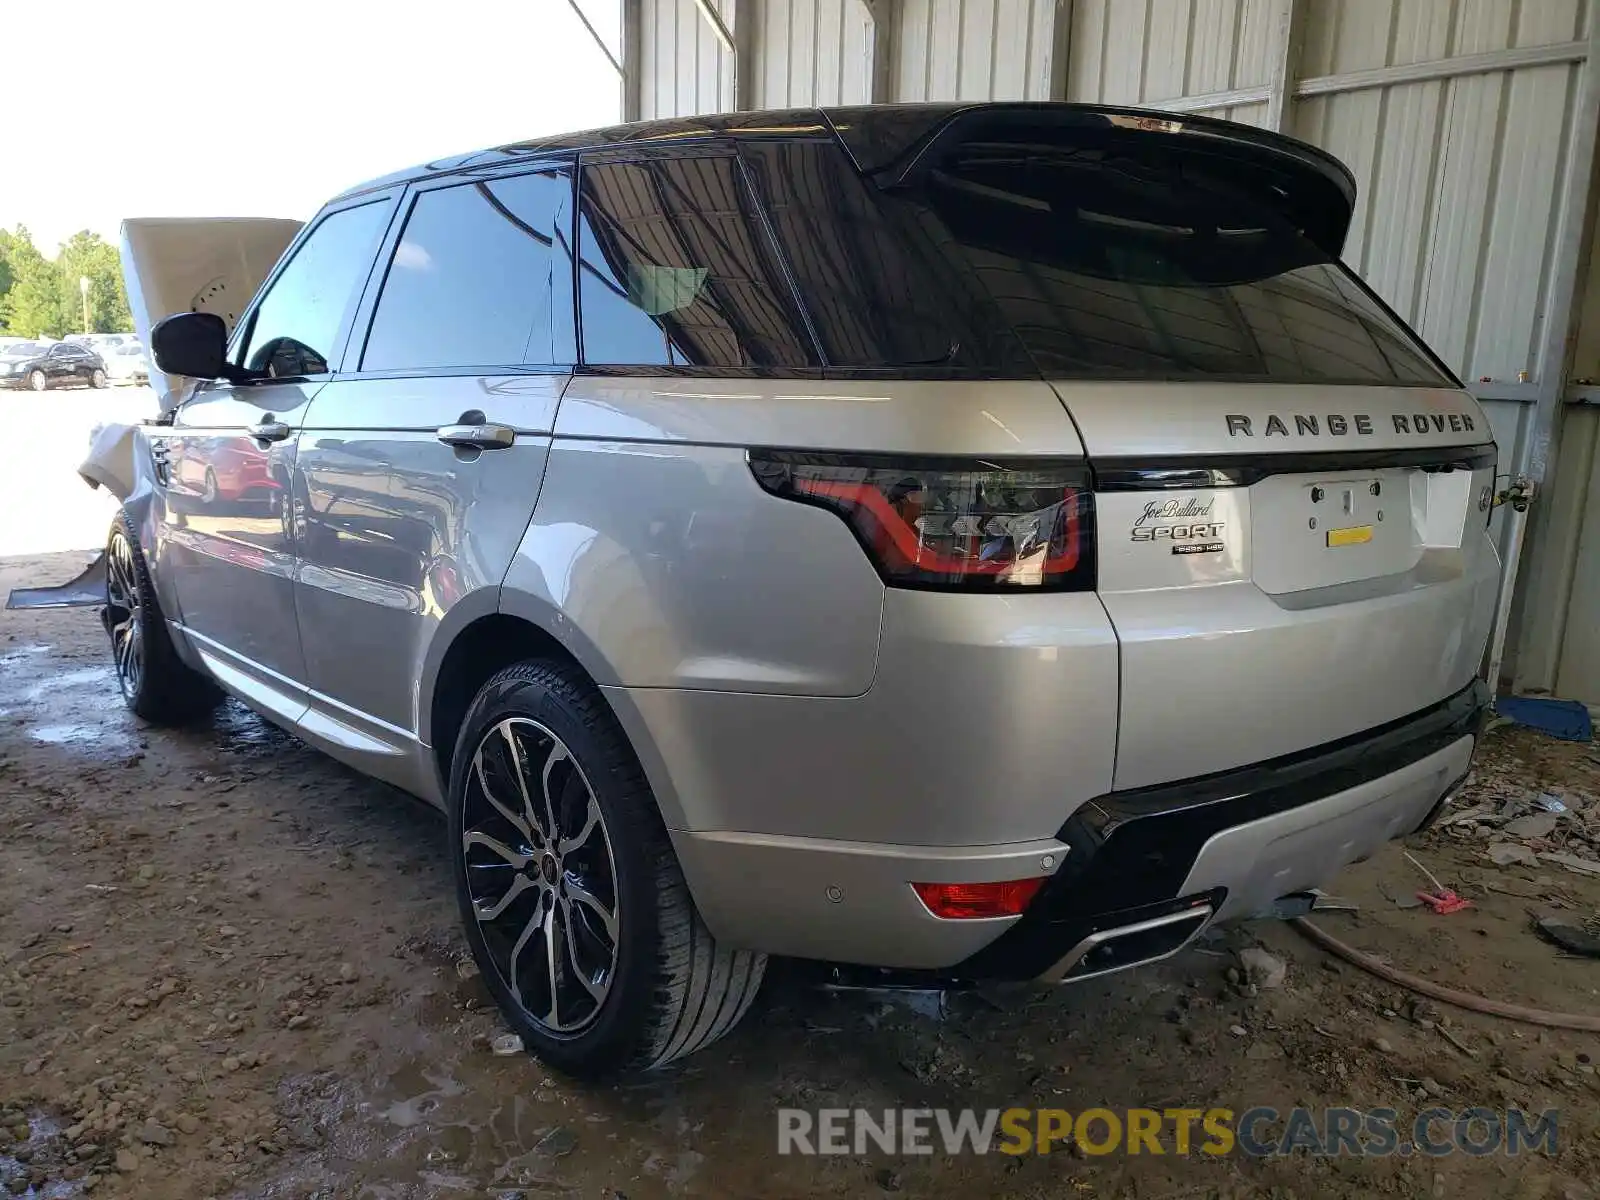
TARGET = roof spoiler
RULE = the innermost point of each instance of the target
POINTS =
(896, 148)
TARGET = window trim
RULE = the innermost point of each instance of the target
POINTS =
(361, 325)
(244, 328)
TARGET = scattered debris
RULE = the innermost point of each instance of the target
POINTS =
(1456, 1042)
(1565, 719)
(1503, 854)
(505, 1045)
(1534, 825)
(1573, 938)
(1327, 903)
(558, 1143)
(1572, 862)
(1264, 970)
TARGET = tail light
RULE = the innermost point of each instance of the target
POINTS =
(960, 525)
(977, 901)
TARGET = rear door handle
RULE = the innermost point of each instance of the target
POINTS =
(269, 431)
(482, 436)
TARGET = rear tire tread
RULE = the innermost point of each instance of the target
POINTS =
(701, 989)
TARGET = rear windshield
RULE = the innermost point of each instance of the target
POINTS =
(1098, 263)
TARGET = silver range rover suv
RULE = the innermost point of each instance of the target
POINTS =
(960, 542)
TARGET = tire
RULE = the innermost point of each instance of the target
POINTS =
(37, 380)
(670, 989)
(208, 493)
(98, 379)
(155, 682)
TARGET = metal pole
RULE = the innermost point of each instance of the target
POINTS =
(598, 40)
(1285, 63)
(714, 19)
(883, 16)
(1060, 49)
(83, 290)
(632, 60)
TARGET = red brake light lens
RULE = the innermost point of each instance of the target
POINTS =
(970, 525)
(974, 901)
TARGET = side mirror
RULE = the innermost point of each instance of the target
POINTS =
(191, 343)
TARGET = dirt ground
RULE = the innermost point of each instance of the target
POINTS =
(230, 967)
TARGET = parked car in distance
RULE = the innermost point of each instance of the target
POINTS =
(951, 542)
(127, 363)
(38, 366)
(102, 343)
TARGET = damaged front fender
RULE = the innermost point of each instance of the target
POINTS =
(119, 460)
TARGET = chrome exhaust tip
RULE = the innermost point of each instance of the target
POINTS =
(1131, 945)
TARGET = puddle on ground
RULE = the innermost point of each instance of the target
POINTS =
(237, 730)
(67, 735)
(31, 1169)
(80, 709)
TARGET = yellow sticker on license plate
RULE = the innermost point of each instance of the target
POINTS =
(1355, 535)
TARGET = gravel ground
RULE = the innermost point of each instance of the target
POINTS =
(230, 967)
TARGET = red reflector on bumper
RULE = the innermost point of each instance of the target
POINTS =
(968, 901)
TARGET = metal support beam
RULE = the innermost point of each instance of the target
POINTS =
(598, 40)
(632, 60)
(1060, 49)
(1355, 81)
(738, 43)
(884, 19)
(713, 18)
(1445, 68)
(1288, 39)
(744, 54)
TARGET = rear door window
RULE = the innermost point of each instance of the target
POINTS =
(676, 269)
(481, 276)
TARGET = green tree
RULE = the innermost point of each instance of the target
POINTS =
(89, 256)
(32, 305)
(7, 276)
(42, 298)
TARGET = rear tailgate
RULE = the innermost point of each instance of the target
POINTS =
(1285, 565)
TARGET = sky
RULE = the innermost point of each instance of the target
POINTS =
(266, 108)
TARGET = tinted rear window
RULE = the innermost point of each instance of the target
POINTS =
(1098, 263)
(676, 269)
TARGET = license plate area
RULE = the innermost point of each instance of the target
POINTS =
(1318, 531)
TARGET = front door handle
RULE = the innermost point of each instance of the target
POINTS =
(269, 431)
(481, 436)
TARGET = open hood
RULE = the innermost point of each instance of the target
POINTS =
(196, 264)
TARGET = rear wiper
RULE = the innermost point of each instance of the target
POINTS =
(944, 360)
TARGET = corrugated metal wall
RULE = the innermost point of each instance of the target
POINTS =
(1459, 178)
(683, 68)
(973, 50)
(812, 52)
(1147, 51)
(1560, 594)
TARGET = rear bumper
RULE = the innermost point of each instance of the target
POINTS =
(1225, 846)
